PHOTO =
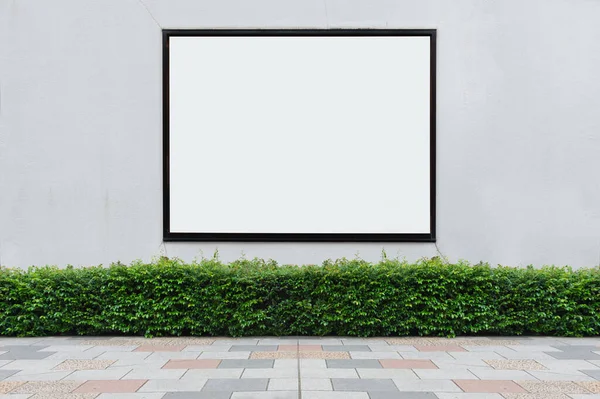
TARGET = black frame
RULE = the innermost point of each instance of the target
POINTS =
(299, 237)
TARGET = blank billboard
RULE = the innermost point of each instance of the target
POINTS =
(299, 135)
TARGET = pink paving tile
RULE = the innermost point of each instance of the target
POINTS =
(489, 386)
(301, 348)
(439, 348)
(159, 348)
(110, 386)
(407, 364)
(192, 364)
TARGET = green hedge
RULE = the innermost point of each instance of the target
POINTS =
(344, 297)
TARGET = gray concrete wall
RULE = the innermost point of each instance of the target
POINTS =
(518, 126)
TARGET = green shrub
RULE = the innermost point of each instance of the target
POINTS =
(256, 297)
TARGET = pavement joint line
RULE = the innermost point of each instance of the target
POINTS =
(298, 365)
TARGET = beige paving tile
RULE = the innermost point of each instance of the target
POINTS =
(84, 364)
(324, 355)
(517, 364)
(407, 364)
(48, 387)
(114, 386)
(8, 386)
(544, 387)
(592, 386)
(192, 364)
(273, 355)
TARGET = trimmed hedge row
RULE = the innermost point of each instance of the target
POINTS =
(256, 297)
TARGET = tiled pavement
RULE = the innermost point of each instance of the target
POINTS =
(300, 367)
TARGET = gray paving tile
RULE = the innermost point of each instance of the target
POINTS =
(246, 363)
(592, 373)
(253, 348)
(576, 348)
(401, 395)
(236, 385)
(25, 348)
(353, 363)
(265, 395)
(7, 373)
(92, 338)
(346, 348)
(572, 354)
(354, 385)
(198, 395)
(19, 352)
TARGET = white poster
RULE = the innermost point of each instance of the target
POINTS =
(321, 136)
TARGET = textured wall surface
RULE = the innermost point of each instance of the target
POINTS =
(518, 127)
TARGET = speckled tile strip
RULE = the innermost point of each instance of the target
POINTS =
(48, 387)
(273, 355)
(324, 355)
(450, 341)
(7, 386)
(544, 387)
(72, 364)
(515, 365)
(592, 386)
(191, 341)
(409, 341)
